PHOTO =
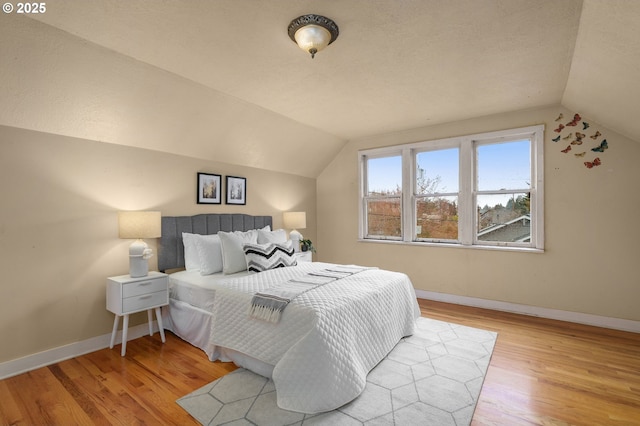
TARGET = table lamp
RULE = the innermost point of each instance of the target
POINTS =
(139, 225)
(293, 220)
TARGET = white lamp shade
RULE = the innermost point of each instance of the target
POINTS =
(135, 225)
(312, 37)
(295, 220)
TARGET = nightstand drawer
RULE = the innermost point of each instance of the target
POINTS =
(145, 301)
(304, 256)
(137, 288)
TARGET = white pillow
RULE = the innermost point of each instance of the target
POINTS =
(210, 253)
(233, 259)
(191, 256)
(276, 236)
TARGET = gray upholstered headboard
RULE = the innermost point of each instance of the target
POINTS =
(170, 248)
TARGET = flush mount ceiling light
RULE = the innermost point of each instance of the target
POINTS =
(312, 33)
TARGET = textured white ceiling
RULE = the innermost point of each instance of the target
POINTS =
(396, 65)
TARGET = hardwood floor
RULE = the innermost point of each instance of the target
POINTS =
(547, 372)
(104, 388)
(543, 372)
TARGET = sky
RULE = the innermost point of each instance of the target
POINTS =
(500, 166)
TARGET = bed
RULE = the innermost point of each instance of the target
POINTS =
(320, 348)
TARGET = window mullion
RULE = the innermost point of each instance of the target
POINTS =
(364, 220)
(408, 191)
(466, 214)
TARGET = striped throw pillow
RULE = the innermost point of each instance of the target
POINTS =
(262, 257)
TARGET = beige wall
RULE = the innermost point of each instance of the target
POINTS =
(58, 226)
(591, 227)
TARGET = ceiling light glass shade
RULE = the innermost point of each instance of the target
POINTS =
(312, 38)
(312, 33)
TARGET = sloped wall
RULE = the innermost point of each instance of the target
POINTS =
(591, 232)
(59, 227)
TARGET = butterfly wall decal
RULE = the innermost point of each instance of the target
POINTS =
(603, 145)
(590, 164)
(578, 140)
(576, 119)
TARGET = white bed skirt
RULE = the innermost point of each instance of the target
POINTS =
(194, 326)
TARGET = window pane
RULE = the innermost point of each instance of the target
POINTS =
(437, 218)
(384, 217)
(437, 171)
(384, 176)
(504, 218)
(504, 166)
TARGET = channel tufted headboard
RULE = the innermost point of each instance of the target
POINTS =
(170, 248)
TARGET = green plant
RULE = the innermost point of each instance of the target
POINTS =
(307, 245)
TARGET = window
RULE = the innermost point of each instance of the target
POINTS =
(503, 196)
(383, 196)
(478, 190)
(436, 195)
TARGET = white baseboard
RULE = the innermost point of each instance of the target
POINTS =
(51, 356)
(577, 317)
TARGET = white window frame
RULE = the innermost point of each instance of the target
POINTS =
(467, 232)
(364, 191)
(415, 196)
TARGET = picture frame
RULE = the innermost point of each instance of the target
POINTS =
(209, 188)
(236, 190)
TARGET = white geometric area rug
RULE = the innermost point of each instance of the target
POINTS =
(431, 378)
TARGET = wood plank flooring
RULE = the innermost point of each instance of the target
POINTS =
(547, 372)
(543, 372)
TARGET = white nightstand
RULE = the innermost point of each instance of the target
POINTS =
(126, 295)
(303, 256)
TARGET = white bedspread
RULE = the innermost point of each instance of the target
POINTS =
(327, 340)
(195, 289)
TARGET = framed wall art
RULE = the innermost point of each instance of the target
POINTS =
(236, 190)
(209, 188)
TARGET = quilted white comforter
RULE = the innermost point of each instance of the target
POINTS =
(327, 340)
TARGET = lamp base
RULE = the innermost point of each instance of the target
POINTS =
(138, 267)
(138, 263)
(295, 237)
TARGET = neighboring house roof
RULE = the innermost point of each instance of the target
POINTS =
(517, 230)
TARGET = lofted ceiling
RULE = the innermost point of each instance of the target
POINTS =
(396, 65)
